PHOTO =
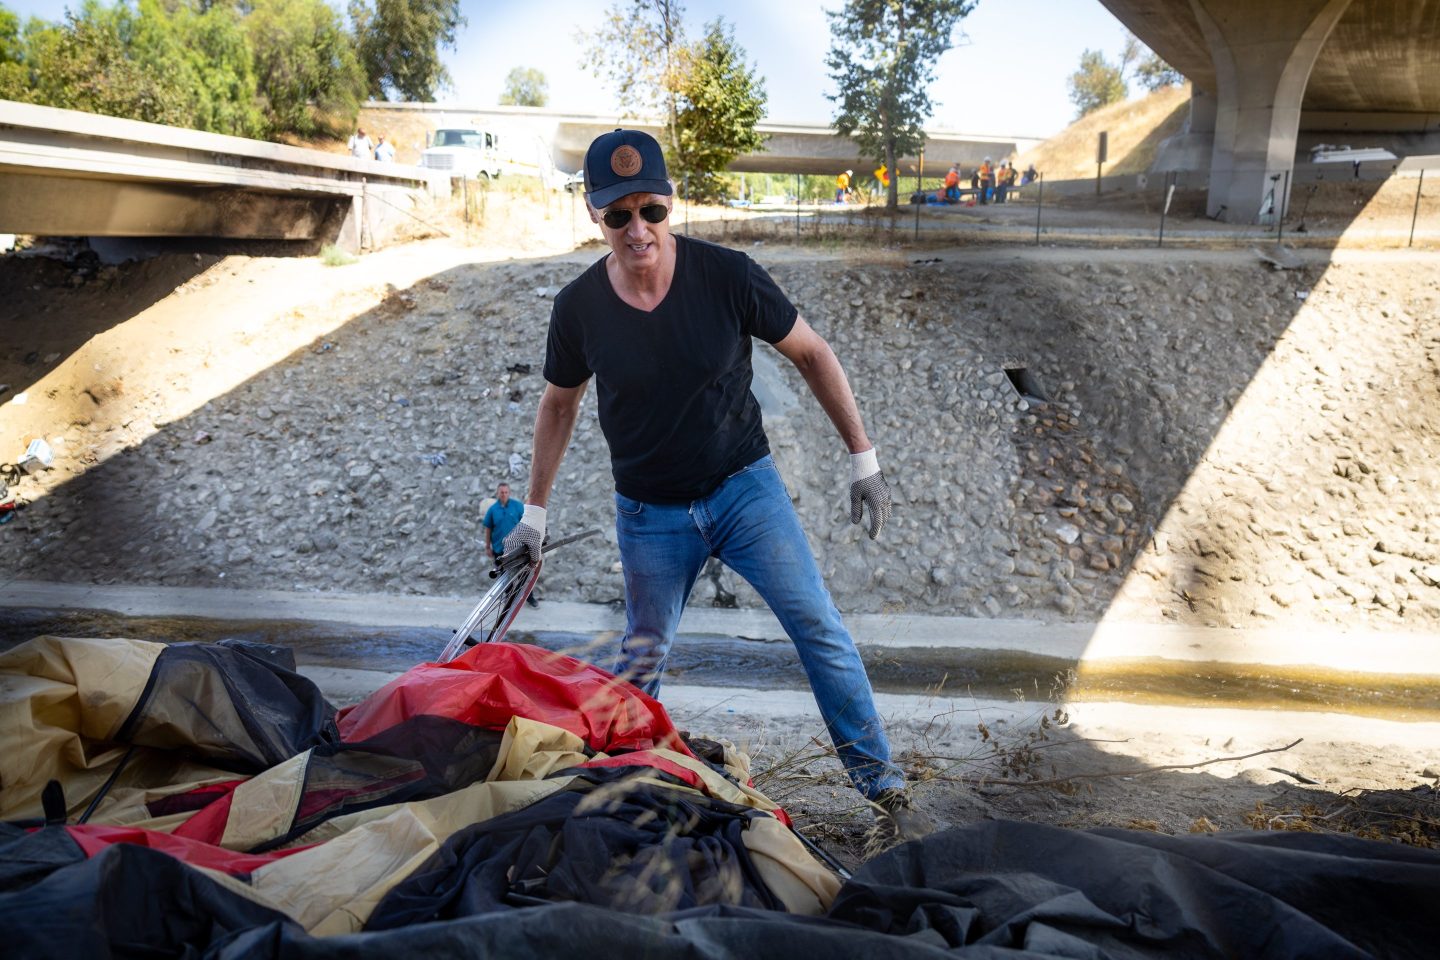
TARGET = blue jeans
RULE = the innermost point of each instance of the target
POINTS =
(749, 524)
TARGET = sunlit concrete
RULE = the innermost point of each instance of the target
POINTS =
(1336, 67)
(66, 172)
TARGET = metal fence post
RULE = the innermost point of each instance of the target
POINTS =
(1039, 203)
(1414, 214)
(1164, 209)
(1280, 207)
(797, 206)
(687, 204)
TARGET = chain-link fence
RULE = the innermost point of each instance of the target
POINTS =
(1377, 205)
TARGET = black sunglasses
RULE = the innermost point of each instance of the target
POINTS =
(651, 212)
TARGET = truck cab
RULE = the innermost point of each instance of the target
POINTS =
(464, 152)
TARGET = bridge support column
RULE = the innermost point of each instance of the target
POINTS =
(1263, 54)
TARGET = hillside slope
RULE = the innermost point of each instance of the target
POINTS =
(1136, 129)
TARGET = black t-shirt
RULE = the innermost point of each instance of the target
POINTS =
(673, 385)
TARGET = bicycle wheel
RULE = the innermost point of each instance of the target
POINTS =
(492, 616)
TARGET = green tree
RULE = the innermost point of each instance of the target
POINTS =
(882, 59)
(524, 87)
(107, 60)
(720, 102)
(1097, 83)
(639, 51)
(1152, 73)
(399, 44)
(14, 75)
(223, 65)
(308, 77)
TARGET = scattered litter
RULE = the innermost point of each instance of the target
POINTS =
(517, 395)
(202, 437)
(929, 260)
(4, 388)
(1280, 257)
(1301, 294)
(513, 407)
(542, 291)
(325, 346)
(434, 459)
(51, 357)
(402, 401)
(520, 368)
(20, 397)
(38, 456)
(517, 465)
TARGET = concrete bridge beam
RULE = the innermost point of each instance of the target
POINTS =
(1263, 54)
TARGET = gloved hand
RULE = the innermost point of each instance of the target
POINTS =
(529, 535)
(868, 487)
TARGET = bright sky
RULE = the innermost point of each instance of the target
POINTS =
(1005, 76)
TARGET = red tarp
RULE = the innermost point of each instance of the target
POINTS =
(493, 682)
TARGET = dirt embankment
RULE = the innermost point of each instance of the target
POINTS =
(1136, 128)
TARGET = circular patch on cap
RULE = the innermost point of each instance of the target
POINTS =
(626, 161)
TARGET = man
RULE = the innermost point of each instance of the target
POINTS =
(360, 146)
(952, 184)
(385, 151)
(500, 520)
(842, 186)
(664, 325)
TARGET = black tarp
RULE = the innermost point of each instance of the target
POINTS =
(984, 891)
(232, 705)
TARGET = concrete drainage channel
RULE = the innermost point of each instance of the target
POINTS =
(943, 658)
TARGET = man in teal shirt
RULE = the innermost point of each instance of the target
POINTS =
(499, 520)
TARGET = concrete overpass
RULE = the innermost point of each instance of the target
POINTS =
(809, 148)
(64, 172)
(1346, 71)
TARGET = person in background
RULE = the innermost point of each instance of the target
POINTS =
(503, 517)
(384, 150)
(1002, 181)
(1031, 175)
(360, 145)
(882, 173)
(952, 184)
(842, 186)
(987, 180)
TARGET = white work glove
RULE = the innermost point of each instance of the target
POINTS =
(528, 535)
(868, 487)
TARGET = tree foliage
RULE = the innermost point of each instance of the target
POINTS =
(637, 52)
(399, 45)
(1097, 83)
(308, 76)
(124, 61)
(708, 99)
(882, 60)
(1153, 74)
(251, 68)
(525, 87)
(721, 101)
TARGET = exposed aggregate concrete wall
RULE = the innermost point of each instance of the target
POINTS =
(1214, 449)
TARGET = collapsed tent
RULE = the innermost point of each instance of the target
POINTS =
(204, 800)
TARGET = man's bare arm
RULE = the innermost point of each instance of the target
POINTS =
(554, 424)
(821, 369)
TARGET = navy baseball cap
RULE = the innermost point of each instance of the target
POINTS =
(623, 162)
